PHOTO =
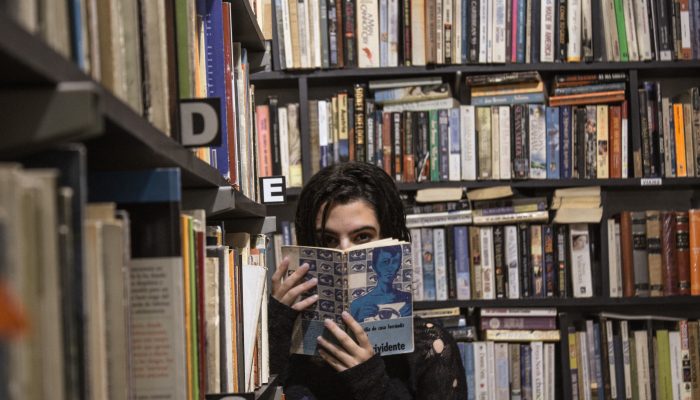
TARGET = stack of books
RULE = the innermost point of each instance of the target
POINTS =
(506, 89)
(574, 90)
(519, 324)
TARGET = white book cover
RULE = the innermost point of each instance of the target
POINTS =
(610, 348)
(213, 328)
(457, 32)
(439, 33)
(610, 26)
(584, 364)
(626, 358)
(499, 31)
(587, 29)
(367, 20)
(481, 376)
(455, 173)
(495, 144)
(282, 123)
(447, 30)
(316, 45)
(538, 142)
(579, 241)
(163, 325)
(288, 56)
(502, 368)
(416, 251)
(612, 259)
(504, 137)
(624, 136)
(643, 353)
(630, 31)
(685, 28)
(674, 341)
(618, 254)
(491, 365)
(253, 291)
(512, 261)
(549, 367)
(547, 31)
(487, 270)
(228, 323)
(383, 33)
(439, 249)
(418, 32)
(394, 34)
(491, 32)
(537, 370)
(483, 31)
(573, 26)
(468, 145)
(304, 33)
(312, 22)
(643, 33)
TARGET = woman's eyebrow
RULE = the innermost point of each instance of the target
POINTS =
(366, 227)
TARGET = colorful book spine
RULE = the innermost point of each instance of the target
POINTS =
(462, 262)
(429, 288)
(553, 142)
(537, 141)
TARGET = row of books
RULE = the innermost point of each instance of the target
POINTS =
(622, 357)
(116, 314)
(670, 131)
(279, 141)
(389, 33)
(654, 253)
(130, 48)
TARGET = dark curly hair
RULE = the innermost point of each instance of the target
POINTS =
(342, 184)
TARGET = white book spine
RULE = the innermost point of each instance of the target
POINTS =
(549, 366)
(573, 25)
(624, 137)
(213, 329)
(481, 371)
(612, 259)
(284, 142)
(686, 378)
(610, 348)
(631, 31)
(490, 33)
(383, 33)
(394, 18)
(626, 358)
(483, 31)
(512, 261)
(416, 251)
(448, 30)
(504, 140)
(584, 364)
(314, 33)
(685, 28)
(440, 263)
(491, 363)
(643, 354)
(487, 271)
(602, 142)
(537, 142)
(537, 371)
(457, 32)
(367, 19)
(674, 341)
(610, 23)
(288, 56)
(439, 33)
(579, 241)
(502, 371)
(618, 253)
(643, 34)
(547, 31)
(499, 40)
(468, 138)
(586, 29)
(495, 143)
(455, 173)
(323, 138)
(418, 32)
(228, 324)
(304, 42)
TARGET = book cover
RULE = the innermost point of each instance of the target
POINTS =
(639, 253)
(367, 19)
(475, 253)
(580, 260)
(468, 146)
(428, 255)
(372, 282)
(462, 262)
(683, 252)
(553, 142)
(694, 250)
(537, 141)
(483, 135)
(653, 232)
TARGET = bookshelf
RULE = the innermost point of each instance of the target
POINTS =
(49, 103)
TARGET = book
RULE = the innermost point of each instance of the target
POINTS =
(371, 281)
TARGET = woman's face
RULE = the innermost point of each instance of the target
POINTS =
(349, 225)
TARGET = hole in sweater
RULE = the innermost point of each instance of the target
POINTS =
(438, 346)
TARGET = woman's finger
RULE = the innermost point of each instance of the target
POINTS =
(280, 271)
(306, 303)
(297, 290)
(357, 330)
(290, 282)
(332, 361)
(340, 354)
(345, 341)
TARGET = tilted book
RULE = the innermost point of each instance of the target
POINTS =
(371, 281)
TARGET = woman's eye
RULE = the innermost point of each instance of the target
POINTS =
(330, 241)
(362, 238)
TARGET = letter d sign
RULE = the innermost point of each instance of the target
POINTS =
(199, 122)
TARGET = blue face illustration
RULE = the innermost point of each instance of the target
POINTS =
(387, 264)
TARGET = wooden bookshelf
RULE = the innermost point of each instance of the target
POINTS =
(587, 304)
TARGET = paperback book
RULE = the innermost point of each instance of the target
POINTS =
(373, 282)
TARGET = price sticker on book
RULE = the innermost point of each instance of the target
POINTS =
(651, 182)
(273, 189)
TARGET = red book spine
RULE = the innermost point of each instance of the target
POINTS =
(386, 142)
(615, 132)
(669, 268)
(683, 252)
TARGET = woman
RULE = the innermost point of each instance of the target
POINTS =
(342, 206)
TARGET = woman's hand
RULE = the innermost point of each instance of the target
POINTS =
(349, 354)
(287, 291)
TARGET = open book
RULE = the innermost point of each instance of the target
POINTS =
(371, 281)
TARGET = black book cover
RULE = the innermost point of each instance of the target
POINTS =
(561, 32)
(597, 33)
(349, 30)
(562, 255)
(535, 32)
(644, 132)
(473, 31)
(580, 135)
(550, 267)
(499, 261)
(451, 267)
(275, 137)
(525, 264)
(653, 28)
(664, 33)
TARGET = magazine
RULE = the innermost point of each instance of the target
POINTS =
(372, 281)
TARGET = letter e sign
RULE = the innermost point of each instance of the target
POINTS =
(273, 190)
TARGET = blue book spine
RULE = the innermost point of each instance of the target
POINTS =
(455, 147)
(160, 185)
(468, 360)
(465, 32)
(429, 291)
(462, 266)
(212, 18)
(565, 128)
(508, 99)
(76, 34)
(383, 33)
(444, 140)
(553, 156)
(535, 32)
(526, 371)
(379, 149)
(286, 233)
(520, 54)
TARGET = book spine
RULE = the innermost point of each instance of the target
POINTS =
(683, 252)
(434, 145)
(487, 263)
(537, 261)
(579, 242)
(521, 39)
(537, 141)
(360, 136)
(615, 141)
(526, 370)
(444, 144)
(654, 253)
(669, 256)
(550, 274)
(499, 31)
(512, 261)
(525, 261)
(561, 31)
(468, 143)
(483, 31)
(447, 31)
(429, 287)
(521, 158)
(664, 27)
(418, 33)
(689, 147)
(499, 261)
(406, 56)
(383, 34)
(685, 31)
(439, 249)
(475, 252)
(474, 32)
(504, 136)
(409, 165)
(639, 255)
(612, 260)
(587, 30)
(508, 99)
(397, 147)
(630, 30)
(349, 42)
(591, 136)
(602, 142)
(455, 169)
(621, 30)
(370, 134)
(537, 30)
(547, 18)
(562, 255)
(495, 144)
(394, 18)
(483, 135)
(553, 143)
(417, 262)
(694, 250)
(462, 262)
(566, 141)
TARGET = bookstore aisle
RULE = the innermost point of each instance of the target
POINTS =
(134, 249)
(547, 153)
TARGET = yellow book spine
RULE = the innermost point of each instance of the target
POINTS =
(184, 226)
(681, 170)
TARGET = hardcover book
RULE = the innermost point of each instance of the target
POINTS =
(371, 281)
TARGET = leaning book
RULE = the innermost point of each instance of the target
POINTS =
(371, 281)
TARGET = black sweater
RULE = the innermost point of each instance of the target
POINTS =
(433, 371)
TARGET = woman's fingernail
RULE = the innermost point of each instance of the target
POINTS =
(346, 314)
